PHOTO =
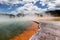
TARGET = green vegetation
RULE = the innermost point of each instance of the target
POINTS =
(11, 28)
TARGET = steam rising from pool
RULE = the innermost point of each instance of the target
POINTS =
(9, 27)
(24, 18)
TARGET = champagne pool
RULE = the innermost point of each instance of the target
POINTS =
(12, 27)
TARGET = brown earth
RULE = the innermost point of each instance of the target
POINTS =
(27, 33)
(49, 18)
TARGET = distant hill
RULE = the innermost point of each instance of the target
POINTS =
(55, 13)
(8, 15)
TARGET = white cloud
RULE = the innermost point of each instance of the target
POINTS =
(13, 12)
(17, 1)
(57, 2)
(29, 1)
(50, 3)
(10, 1)
(29, 9)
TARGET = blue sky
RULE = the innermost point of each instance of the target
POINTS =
(6, 8)
(16, 6)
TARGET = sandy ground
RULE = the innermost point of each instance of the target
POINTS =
(27, 33)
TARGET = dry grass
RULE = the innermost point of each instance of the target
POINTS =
(56, 19)
(49, 18)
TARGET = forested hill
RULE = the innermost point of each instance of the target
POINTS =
(54, 12)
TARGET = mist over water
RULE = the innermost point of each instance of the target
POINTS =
(10, 27)
(25, 18)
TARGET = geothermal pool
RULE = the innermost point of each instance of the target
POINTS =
(11, 27)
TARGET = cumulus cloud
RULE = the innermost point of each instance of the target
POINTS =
(10, 1)
(29, 9)
(29, 1)
(29, 6)
(50, 3)
(17, 1)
